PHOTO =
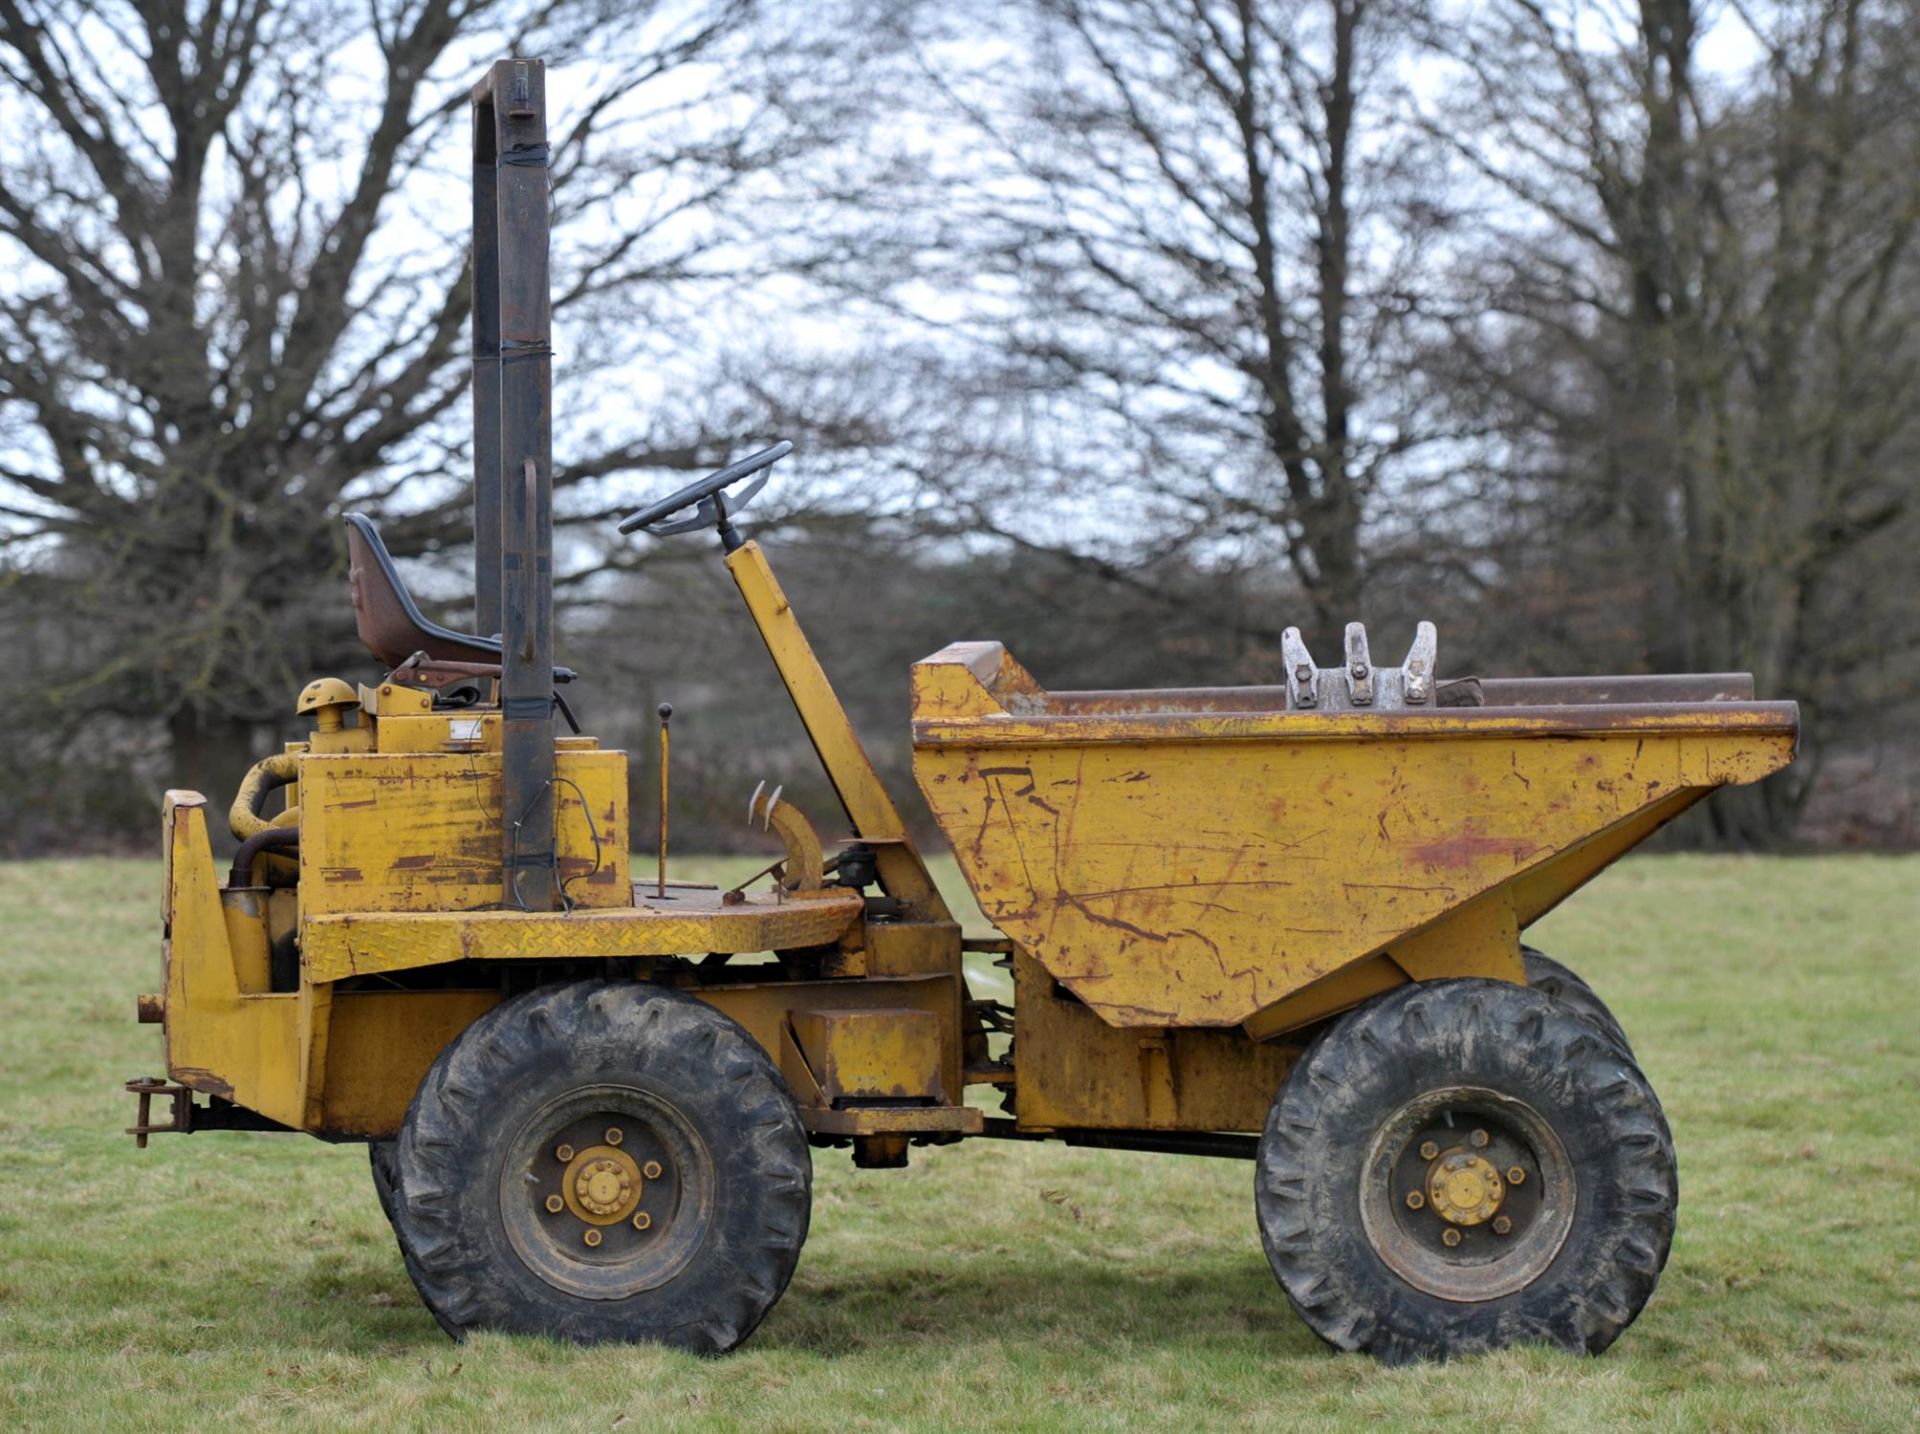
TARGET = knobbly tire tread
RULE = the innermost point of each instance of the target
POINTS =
(1559, 981)
(383, 1156)
(1465, 1032)
(440, 1179)
(380, 1157)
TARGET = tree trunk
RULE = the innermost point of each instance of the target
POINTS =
(210, 754)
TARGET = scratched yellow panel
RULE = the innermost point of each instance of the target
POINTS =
(335, 946)
(220, 1041)
(380, 1045)
(1188, 871)
(421, 831)
(1076, 1071)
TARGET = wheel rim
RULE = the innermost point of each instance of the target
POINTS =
(607, 1192)
(1440, 1203)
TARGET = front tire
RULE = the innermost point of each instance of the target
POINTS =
(1465, 1165)
(602, 1161)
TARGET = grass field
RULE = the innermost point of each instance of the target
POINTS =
(225, 1281)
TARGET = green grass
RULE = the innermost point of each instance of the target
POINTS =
(224, 1281)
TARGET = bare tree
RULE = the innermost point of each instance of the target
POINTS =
(1697, 318)
(235, 236)
(1184, 235)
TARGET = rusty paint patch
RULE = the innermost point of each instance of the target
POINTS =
(1469, 849)
(206, 1082)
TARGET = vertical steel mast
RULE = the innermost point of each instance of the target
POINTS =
(486, 367)
(513, 456)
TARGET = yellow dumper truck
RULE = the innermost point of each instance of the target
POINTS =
(1281, 924)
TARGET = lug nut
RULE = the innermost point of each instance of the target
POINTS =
(641, 1220)
(1515, 1175)
(615, 1135)
(1449, 1238)
(592, 1237)
(1415, 1200)
(1501, 1224)
(651, 1170)
(563, 1153)
(1479, 1139)
(1428, 1150)
(555, 1204)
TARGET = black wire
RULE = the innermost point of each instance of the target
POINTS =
(513, 872)
(592, 831)
(566, 902)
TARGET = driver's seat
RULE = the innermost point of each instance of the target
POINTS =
(390, 623)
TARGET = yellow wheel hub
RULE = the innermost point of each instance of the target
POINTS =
(1463, 1188)
(602, 1185)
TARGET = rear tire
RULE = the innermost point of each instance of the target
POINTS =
(1558, 981)
(1388, 1163)
(601, 1161)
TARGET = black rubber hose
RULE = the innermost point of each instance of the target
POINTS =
(272, 839)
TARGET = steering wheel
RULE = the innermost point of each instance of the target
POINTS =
(708, 499)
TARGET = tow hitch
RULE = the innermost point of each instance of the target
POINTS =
(180, 1121)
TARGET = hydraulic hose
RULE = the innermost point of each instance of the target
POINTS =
(268, 838)
(244, 817)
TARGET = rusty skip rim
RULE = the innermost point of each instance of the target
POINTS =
(1756, 719)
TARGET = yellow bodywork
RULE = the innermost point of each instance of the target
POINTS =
(433, 843)
(398, 872)
(309, 1059)
(1185, 879)
(1078, 1072)
(1181, 868)
(691, 919)
(344, 1060)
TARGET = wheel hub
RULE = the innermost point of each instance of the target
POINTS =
(602, 1185)
(606, 1192)
(1470, 1193)
(1464, 1188)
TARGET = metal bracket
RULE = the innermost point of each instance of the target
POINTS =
(1303, 678)
(1359, 667)
(179, 1122)
(1416, 673)
(803, 866)
(1357, 683)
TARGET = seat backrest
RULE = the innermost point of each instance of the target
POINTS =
(391, 625)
